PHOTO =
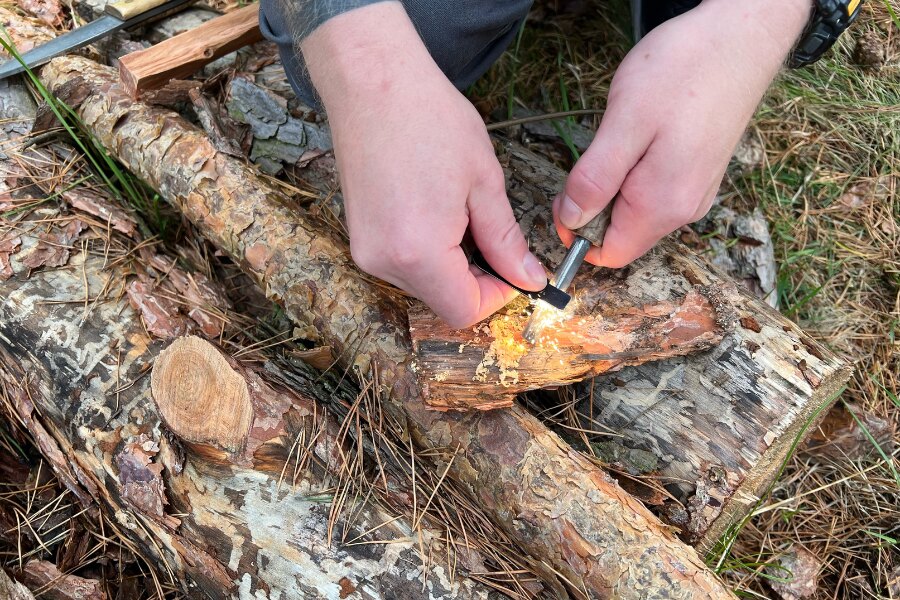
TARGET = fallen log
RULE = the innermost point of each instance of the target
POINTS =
(719, 424)
(557, 506)
(74, 362)
(211, 508)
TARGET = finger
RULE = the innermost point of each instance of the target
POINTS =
(457, 292)
(499, 237)
(619, 144)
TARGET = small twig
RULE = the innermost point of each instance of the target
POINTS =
(544, 117)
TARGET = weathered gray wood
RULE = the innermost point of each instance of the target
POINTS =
(12, 590)
(74, 360)
(279, 139)
(237, 531)
(720, 422)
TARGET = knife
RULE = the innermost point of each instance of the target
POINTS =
(119, 15)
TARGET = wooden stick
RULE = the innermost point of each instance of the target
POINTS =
(593, 539)
(186, 53)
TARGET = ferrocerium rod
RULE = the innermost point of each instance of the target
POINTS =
(565, 273)
(587, 235)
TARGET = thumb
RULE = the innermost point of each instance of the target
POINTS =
(498, 236)
(595, 179)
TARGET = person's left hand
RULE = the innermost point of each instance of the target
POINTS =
(676, 109)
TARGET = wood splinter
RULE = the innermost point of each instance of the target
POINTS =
(185, 54)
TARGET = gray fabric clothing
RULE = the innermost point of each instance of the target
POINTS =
(464, 37)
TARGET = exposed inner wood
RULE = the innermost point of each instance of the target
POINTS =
(719, 423)
(200, 397)
(185, 54)
(237, 531)
(606, 327)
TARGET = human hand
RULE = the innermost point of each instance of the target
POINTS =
(677, 107)
(417, 167)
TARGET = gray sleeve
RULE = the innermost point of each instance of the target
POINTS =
(304, 16)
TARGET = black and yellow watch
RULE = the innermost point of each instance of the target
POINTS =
(830, 18)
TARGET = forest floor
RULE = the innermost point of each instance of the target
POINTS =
(825, 174)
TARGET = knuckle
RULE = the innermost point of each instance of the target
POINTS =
(681, 209)
(591, 181)
(403, 253)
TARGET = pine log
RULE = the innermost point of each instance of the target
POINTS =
(608, 325)
(186, 53)
(209, 507)
(719, 424)
(74, 360)
(559, 507)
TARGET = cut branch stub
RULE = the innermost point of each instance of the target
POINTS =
(201, 398)
(610, 324)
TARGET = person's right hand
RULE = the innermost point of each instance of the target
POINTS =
(416, 166)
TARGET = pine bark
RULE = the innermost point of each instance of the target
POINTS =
(610, 324)
(75, 364)
(216, 510)
(551, 500)
(718, 424)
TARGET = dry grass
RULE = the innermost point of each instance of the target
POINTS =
(829, 190)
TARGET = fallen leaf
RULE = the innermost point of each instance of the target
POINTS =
(160, 314)
(43, 575)
(54, 247)
(796, 575)
(869, 51)
(839, 436)
(857, 196)
(8, 246)
(319, 357)
(48, 11)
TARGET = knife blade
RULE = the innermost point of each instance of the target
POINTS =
(119, 15)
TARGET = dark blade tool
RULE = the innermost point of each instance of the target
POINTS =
(591, 233)
(550, 294)
(118, 16)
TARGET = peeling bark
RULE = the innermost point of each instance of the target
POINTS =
(78, 380)
(719, 423)
(607, 327)
(558, 507)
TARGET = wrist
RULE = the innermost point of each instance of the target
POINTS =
(773, 26)
(367, 54)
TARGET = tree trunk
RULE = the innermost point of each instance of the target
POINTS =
(551, 500)
(719, 424)
(75, 357)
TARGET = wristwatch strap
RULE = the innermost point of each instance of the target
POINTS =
(829, 20)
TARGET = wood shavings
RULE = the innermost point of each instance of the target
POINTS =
(504, 353)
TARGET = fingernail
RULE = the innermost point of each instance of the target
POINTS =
(570, 213)
(534, 269)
